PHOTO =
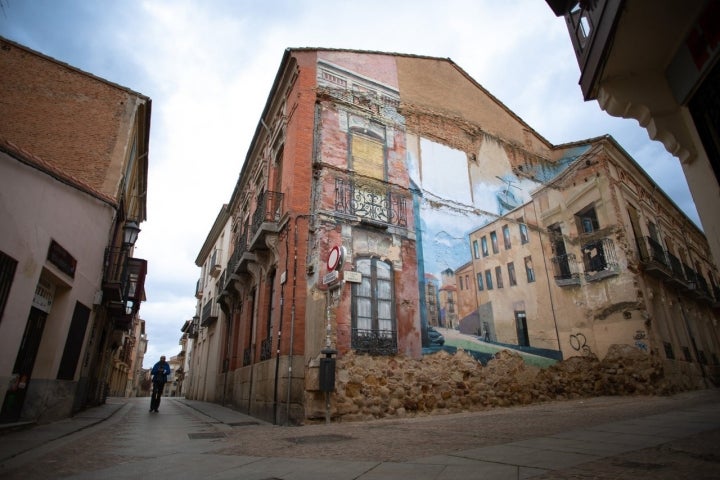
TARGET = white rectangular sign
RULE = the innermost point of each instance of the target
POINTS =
(352, 277)
(330, 277)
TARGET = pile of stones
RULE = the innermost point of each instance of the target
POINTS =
(370, 387)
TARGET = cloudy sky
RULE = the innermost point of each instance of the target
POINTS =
(208, 66)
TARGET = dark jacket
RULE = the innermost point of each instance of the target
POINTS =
(160, 372)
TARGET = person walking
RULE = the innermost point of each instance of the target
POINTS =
(159, 372)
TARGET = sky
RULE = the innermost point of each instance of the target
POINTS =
(208, 66)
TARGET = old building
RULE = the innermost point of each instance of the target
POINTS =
(73, 183)
(598, 256)
(656, 61)
(357, 222)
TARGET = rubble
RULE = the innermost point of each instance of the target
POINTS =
(376, 387)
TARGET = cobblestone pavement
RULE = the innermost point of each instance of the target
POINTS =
(128, 443)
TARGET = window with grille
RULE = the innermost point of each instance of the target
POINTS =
(374, 329)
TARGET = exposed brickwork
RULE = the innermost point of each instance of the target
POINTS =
(69, 118)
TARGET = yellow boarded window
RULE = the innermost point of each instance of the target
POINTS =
(368, 157)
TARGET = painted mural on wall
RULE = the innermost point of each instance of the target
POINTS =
(454, 192)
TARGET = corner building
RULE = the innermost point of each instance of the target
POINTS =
(365, 178)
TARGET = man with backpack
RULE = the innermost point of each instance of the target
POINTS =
(159, 372)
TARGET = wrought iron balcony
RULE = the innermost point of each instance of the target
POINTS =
(678, 277)
(653, 258)
(266, 219)
(199, 289)
(123, 286)
(372, 204)
(210, 313)
(241, 256)
(600, 259)
(565, 270)
(374, 342)
(698, 285)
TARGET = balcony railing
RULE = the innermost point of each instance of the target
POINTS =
(565, 270)
(370, 203)
(266, 218)
(210, 313)
(241, 256)
(653, 257)
(600, 259)
(678, 277)
(374, 342)
(123, 286)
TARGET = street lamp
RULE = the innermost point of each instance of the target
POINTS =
(130, 233)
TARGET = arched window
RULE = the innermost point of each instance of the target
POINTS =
(373, 320)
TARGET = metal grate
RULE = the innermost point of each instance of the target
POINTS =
(205, 435)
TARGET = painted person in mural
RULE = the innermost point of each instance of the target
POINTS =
(160, 373)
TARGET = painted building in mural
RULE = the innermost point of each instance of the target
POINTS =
(380, 192)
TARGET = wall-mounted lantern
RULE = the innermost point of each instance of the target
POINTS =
(131, 230)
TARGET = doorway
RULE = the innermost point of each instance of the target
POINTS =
(522, 330)
(24, 363)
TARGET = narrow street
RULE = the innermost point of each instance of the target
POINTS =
(605, 438)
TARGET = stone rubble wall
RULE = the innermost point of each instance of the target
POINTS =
(370, 387)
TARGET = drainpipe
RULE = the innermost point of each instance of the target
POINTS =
(292, 317)
(280, 324)
(547, 277)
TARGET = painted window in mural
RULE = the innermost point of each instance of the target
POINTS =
(498, 277)
(485, 250)
(506, 237)
(511, 274)
(480, 283)
(524, 237)
(494, 242)
(587, 220)
(367, 148)
(476, 249)
(488, 279)
(373, 322)
(529, 270)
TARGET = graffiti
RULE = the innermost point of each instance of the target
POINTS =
(639, 335)
(579, 343)
(642, 346)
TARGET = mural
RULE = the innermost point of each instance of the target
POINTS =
(425, 190)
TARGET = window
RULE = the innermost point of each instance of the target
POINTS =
(587, 220)
(524, 237)
(467, 282)
(373, 321)
(480, 282)
(506, 236)
(494, 241)
(488, 279)
(476, 249)
(485, 252)
(498, 277)
(529, 269)
(461, 283)
(511, 274)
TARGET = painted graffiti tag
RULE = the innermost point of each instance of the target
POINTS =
(579, 343)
